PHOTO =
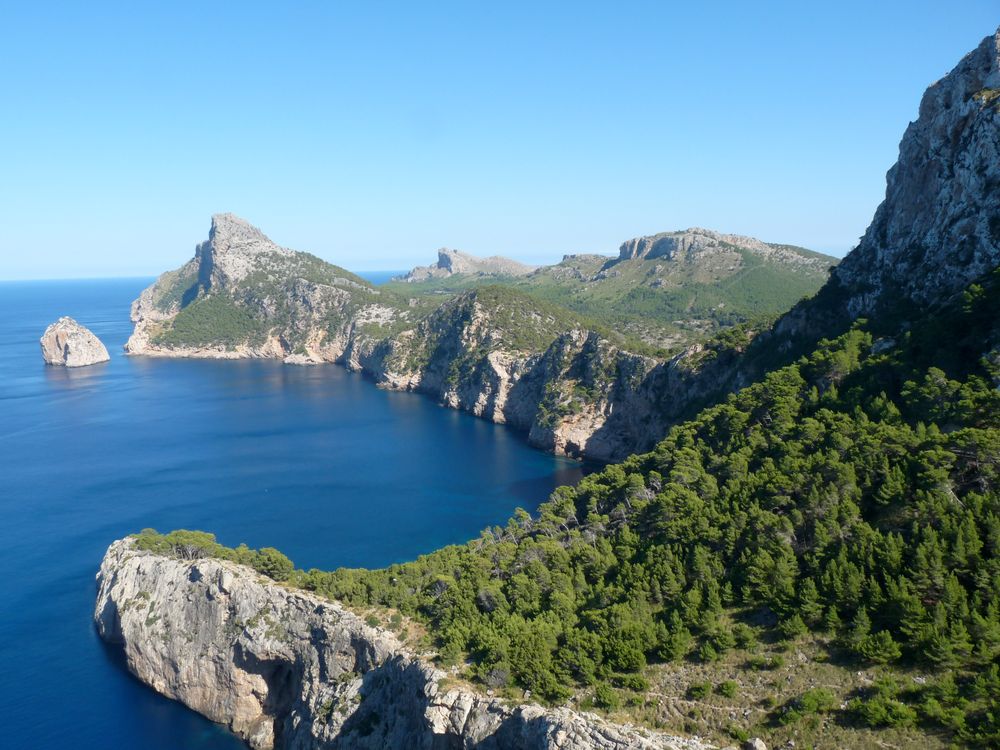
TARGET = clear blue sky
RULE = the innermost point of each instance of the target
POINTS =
(373, 133)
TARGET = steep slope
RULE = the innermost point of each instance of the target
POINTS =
(243, 295)
(933, 235)
(833, 527)
(286, 669)
(939, 226)
(572, 385)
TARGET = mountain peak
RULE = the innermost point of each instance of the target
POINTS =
(230, 231)
(938, 228)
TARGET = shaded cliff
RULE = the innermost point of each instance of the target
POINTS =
(285, 669)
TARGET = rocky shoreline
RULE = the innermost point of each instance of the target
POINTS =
(284, 669)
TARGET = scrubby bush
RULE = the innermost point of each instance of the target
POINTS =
(813, 701)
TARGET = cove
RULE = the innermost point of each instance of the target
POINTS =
(315, 461)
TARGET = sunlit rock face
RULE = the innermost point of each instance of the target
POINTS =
(69, 344)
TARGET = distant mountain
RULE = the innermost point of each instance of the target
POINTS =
(668, 289)
(455, 262)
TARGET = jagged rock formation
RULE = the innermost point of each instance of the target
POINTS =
(938, 228)
(285, 669)
(244, 296)
(70, 344)
(455, 262)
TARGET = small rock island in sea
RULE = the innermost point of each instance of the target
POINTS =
(70, 344)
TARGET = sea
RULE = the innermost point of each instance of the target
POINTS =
(315, 461)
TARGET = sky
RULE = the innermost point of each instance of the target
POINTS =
(373, 133)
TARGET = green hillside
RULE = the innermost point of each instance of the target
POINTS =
(841, 517)
(664, 303)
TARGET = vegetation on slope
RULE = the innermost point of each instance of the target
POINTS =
(849, 500)
(266, 302)
(659, 301)
(215, 319)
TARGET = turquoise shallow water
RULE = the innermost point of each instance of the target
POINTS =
(315, 461)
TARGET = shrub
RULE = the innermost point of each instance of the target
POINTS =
(882, 711)
(814, 701)
(699, 690)
(273, 564)
(793, 627)
(727, 689)
(632, 682)
(606, 697)
(775, 661)
(746, 636)
(879, 647)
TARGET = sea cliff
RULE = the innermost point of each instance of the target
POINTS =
(285, 669)
(491, 351)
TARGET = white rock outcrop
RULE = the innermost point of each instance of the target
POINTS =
(67, 343)
(692, 244)
(455, 262)
(285, 669)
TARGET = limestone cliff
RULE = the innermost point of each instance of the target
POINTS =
(495, 352)
(285, 669)
(70, 344)
(454, 262)
(939, 225)
(692, 245)
(937, 231)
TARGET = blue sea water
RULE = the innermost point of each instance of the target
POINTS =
(313, 460)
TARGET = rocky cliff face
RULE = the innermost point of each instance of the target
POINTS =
(693, 244)
(70, 344)
(284, 669)
(496, 353)
(455, 262)
(938, 228)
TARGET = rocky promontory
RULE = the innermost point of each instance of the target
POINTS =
(69, 344)
(492, 351)
(286, 669)
(455, 262)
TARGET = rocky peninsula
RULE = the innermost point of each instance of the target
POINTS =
(286, 669)
(574, 386)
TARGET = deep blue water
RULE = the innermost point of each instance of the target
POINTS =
(313, 460)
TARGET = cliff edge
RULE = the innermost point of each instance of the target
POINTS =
(285, 669)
